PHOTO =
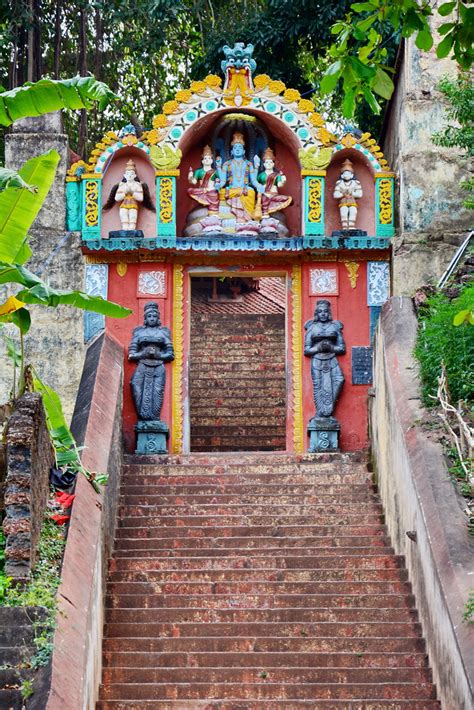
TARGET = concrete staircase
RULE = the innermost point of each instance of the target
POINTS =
(245, 582)
(237, 382)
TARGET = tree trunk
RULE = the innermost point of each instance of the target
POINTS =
(57, 40)
(82, 133)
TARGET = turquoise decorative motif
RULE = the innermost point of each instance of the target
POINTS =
(384, 206)
(73, 206)
(166, 206)
(314, 205)
(92, 201)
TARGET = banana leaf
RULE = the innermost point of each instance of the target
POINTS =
(46, 95)
(37, 291)
(18, 208)
(10, 178)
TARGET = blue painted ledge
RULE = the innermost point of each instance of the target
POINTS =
(217, 243)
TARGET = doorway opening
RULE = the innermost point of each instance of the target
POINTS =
(237, 369)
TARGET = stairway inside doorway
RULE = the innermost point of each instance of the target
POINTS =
(237, 383)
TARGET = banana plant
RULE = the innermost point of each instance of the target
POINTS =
(23, 194)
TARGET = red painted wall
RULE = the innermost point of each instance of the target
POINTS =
(350, 307)
(123, 290)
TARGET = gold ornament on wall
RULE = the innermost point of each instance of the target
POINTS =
(352, 271)
(121, 268)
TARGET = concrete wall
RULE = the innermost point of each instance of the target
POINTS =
(55, 343)
(77, 654)
(431, 220)
(418, 496)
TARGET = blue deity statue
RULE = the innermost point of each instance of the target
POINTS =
(239, 179)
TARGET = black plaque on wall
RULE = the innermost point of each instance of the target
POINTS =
(362, 366)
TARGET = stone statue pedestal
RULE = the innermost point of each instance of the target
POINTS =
(126, 234)
(352, 232)
(152, 437)
(323, 434)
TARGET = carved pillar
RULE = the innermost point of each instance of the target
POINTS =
(166, 206)
(384, 212)
(92, 200)
(313, 203)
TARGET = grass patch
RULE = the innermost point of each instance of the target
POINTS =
(440, 341)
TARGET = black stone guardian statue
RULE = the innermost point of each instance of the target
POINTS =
(151, 347)
(323, 342)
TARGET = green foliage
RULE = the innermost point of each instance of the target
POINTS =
(469, 608)
(46, 95)
(26, 688)
(19, 208)
(148, 49)
(459, 132)
(360, 55)
(41, 590)
(66, 451)
(440, 340)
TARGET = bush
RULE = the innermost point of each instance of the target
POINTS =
(441, 341)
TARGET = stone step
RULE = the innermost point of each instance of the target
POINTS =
(270, 509)
(267, 704)
(240, 491)
(263, 689)
(252, 615)
(226, 659)
(242, 552)
(183, 586)
(357, 648)
(317, 461)
(203, 445)
(221, 480)
(248, 531)
(232, 574)
(242, 365)
(232, 405)
(11, 699)
(16, 636)
(242, 433)
(250, 520)
(255, 600)
(291, 674)
(150, 545)
(256, 497)
(243, 424)
(365, 629)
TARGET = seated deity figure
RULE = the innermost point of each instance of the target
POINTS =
(151, 347)
(347, 190)
(238, 180)
(323, 342)
(272, 180)
(130, 192)
(206, 192)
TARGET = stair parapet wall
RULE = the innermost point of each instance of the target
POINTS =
(96, 424)
(418, 496)
(29, 456)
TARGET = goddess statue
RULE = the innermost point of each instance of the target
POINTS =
(272, 180)
(206, 178)
(151, 347)
(347, 190)
(323, 341)
(130, 192)
(236, 177)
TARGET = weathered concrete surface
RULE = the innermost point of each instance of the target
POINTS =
(431, 220)
(418, 496)
(76, 663)
(29, 456)
(55, 343)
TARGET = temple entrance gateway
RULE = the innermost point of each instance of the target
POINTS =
(237, 379)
